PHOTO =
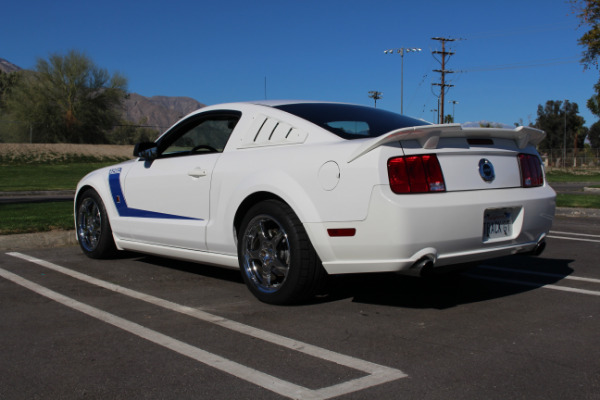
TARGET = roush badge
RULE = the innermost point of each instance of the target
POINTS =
(486, 170)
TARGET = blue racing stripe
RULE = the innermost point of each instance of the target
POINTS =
(114, 181)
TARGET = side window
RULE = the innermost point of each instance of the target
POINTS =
(199, 136)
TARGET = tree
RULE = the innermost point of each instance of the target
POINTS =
(594, 135)
(68, 99)
(10, 129)
(130, 133)
(7, 82)
(375, 95)
(593, 103)
(552, 120)
(588, 12)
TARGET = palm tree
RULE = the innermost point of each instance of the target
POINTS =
(375, 95)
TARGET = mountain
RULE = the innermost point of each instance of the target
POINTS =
(158, 112)
(8, 67)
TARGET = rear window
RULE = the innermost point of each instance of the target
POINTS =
(351, 121)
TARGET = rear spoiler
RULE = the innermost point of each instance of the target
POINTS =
(428, 136)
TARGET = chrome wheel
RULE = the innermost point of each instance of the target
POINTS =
(94, 234)
(277, 260)
(89, 224)
(265, 253)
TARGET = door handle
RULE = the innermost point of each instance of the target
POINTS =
(197, 172)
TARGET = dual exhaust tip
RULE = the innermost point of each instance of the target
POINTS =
(539, 248)
(424, 266)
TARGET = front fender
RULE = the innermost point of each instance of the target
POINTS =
(98, 181)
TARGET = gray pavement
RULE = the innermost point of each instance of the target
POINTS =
(141, 327)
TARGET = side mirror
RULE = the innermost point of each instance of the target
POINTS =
(146, 150)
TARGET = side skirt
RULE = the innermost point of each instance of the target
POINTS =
(202, 257)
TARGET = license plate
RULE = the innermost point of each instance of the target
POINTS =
(497, 224)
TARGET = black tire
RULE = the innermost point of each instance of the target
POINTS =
(93, 228)
(277, 260)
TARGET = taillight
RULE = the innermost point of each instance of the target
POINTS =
(416, 174)
(531, 171)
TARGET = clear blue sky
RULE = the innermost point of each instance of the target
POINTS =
(515, 54)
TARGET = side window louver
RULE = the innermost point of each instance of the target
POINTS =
(267, 131)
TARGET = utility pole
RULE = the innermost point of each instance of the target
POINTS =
(443, 85)
(565, 137)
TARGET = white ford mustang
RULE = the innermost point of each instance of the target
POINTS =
(291, 191)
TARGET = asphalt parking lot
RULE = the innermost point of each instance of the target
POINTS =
(142, 327)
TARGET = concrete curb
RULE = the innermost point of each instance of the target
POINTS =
(67, 238)
(40, 240)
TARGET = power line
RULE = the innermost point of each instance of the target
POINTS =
(524, 64)
(520, 31)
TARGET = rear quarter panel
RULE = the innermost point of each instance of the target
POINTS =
(292, 174)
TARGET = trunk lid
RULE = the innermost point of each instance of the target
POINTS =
(470, 158)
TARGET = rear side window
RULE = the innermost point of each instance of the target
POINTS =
(350, 121)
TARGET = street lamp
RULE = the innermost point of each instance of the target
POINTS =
(435, 113)
(401, 51)
(454, 103)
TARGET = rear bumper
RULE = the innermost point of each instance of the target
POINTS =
(446, 228)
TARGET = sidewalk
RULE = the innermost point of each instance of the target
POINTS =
(36, 196)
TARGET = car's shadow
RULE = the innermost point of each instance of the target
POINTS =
(209, 271)
(492, 279)
(488, 280)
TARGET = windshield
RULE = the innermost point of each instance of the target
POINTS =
(351, 121)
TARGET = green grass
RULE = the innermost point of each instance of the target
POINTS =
(35, 217)
(561, 176)
(577, 200)
(24, 177)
